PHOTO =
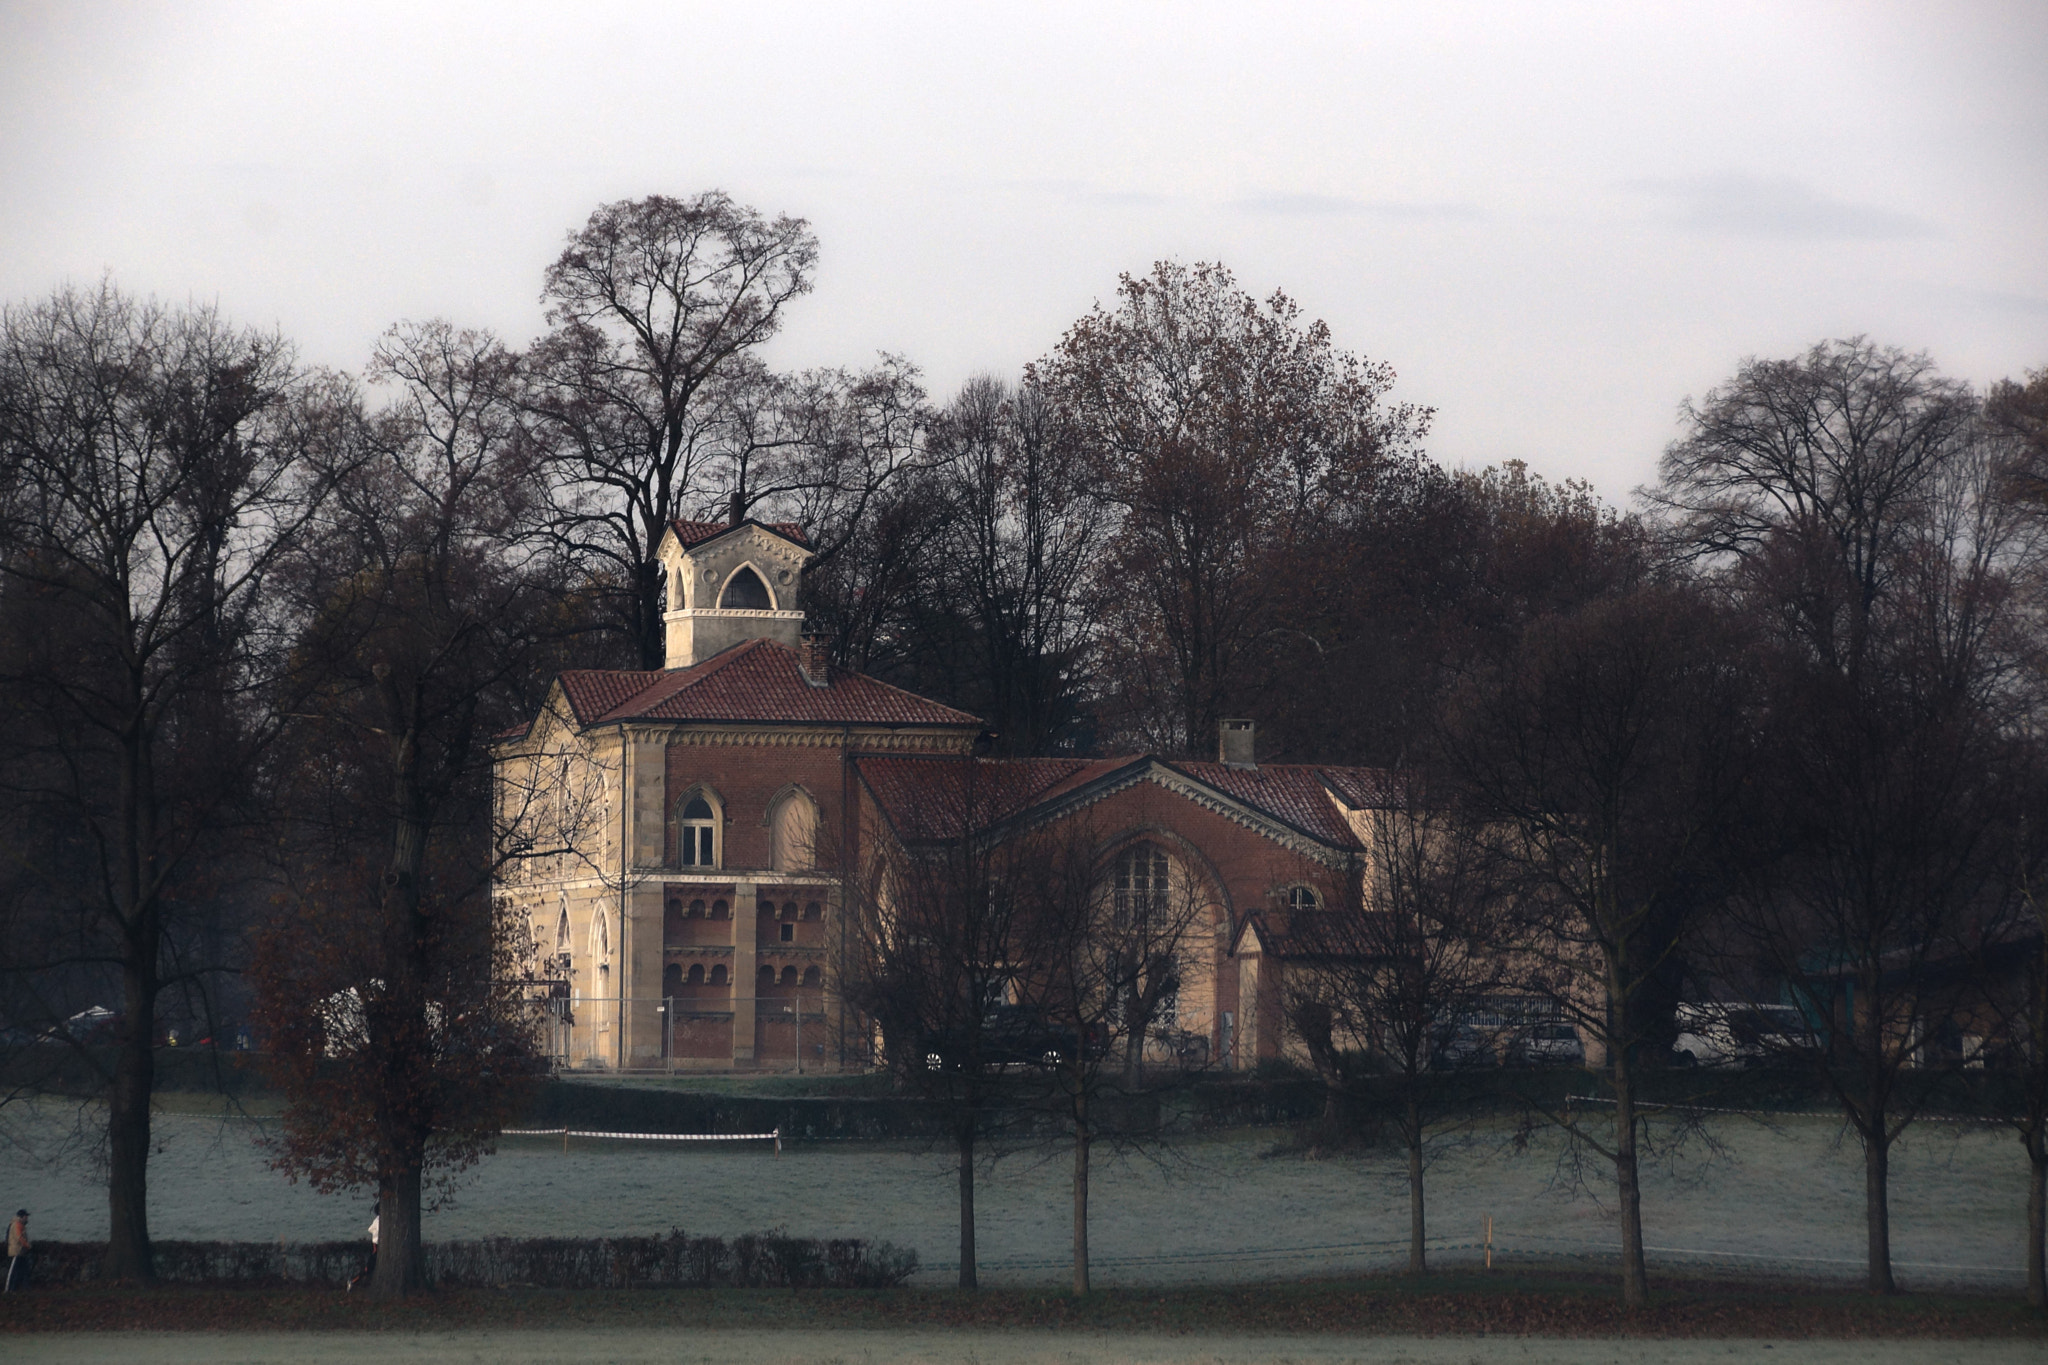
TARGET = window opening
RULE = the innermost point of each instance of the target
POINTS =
(696, 977)
(745, 591)
(812, 976)
(789, 933)
(1141, 877)
(699, 844)
(1302, 898)
(719, 976)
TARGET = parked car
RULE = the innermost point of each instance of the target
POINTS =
(1470, 1040)
(1549, 1043)
(1726, 1033)
(1010, 1035)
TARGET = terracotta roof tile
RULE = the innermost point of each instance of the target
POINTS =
(1368, 788)
(692, 533)
(759, 681)
(1291, 793)
(936, 797)
(594, 691)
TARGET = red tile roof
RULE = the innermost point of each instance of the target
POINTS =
(938, 797)
(594, 691)
(756, 681)
(931, 798)
(1291, 793)
(694, 533)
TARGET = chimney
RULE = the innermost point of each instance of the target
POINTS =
(813, 659)
(1234, 748)
(736, 508)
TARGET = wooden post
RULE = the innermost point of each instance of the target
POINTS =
(1489, 1241)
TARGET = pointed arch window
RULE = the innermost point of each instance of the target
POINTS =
(698, 828)
(745, 591)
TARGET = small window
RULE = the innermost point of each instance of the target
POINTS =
(696, 977)
(765, 909)
(745, 591)
(789, 976)
(789, 910)
(812, 976)
(1302, 898)
(789, 933)
(766, 977)
(719, 976)
(812, 910)
(699, 834)
(720, 910)
(696, 909)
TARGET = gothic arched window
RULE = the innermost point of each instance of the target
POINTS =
(698, 828)
(746, 592)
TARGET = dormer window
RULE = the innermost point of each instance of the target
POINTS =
(699, 829)
(745, 591)
(1301, 898)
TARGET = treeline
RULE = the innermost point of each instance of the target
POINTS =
(259, 623)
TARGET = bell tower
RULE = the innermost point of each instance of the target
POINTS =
(728, 583)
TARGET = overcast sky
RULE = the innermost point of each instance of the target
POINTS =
(1555, 221)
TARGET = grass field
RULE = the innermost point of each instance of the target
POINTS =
(1786, 1200)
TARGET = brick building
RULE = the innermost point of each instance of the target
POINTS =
(693, 830)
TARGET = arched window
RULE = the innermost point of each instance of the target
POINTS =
(562, 929)
(746, 592)
(789, 976)
(696, 977)
(764, 978)
(698, 826)
(671, 978)
(1141, 882)
(812, 976)
(812, 910)
(793, 833)
(1303, 898)
(696, 909)
(720, 910)
(719, 976)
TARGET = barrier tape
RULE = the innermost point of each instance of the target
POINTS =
(567, 1133)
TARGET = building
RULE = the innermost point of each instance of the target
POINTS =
(692, 832)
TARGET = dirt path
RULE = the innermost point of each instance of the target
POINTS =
(726, 1347)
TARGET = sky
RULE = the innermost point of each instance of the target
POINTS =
(1556, 221)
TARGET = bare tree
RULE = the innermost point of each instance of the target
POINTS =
(1221, 430)
(1845, 500)
(1375, 981)
(655, 303)
(1604, 761)
(149, 483)
(939, 937)
(391, 997)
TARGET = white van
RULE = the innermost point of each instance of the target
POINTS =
(1730, 1033)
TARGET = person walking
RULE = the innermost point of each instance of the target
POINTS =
(20, 1252)
(369, 1267)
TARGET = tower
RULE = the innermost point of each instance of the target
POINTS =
(730, 583)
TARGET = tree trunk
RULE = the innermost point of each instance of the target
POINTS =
(1081, 1196)
(966, 1140)
(401, 1261)
(1877, 1215)
(129, 1255)
(2037, 1218)
(1418, 1256)
(1635, 1275)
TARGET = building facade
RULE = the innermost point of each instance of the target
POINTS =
(690, 835)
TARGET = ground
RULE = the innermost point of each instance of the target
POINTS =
(1786, 1198)
(728, 1347)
